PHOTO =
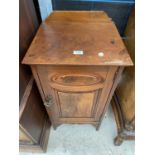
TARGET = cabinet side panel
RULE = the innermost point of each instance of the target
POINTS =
(103, 100)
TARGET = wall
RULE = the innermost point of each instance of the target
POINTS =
(118, 10)
(45, 8)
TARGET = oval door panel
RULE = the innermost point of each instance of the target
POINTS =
(77, 79)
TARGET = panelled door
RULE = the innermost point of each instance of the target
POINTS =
(75, 94)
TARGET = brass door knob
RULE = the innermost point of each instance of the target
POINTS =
(48, 101)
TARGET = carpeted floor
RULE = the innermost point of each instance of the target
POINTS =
(85, 140)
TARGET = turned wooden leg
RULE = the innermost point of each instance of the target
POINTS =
(129, 127)
(118, 140)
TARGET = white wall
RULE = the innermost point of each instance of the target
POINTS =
(45, 8)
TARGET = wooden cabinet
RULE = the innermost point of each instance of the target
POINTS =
(34, 124)
(76, 59)
(124, 98)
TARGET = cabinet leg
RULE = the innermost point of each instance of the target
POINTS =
(129, 127)
(118, 140)
(55, 126)
(97, 127)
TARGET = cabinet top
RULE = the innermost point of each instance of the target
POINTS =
(78, 38)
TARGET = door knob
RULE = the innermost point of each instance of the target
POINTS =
(48, 101)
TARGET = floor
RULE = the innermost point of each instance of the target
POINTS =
(85, 140)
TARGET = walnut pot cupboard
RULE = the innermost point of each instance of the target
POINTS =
(77, 59)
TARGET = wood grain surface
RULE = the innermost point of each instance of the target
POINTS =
(63, 32)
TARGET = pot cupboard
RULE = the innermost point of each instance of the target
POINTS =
(77, 58)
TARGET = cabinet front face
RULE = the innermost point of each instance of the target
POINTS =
(75, 94)
(76, 104)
